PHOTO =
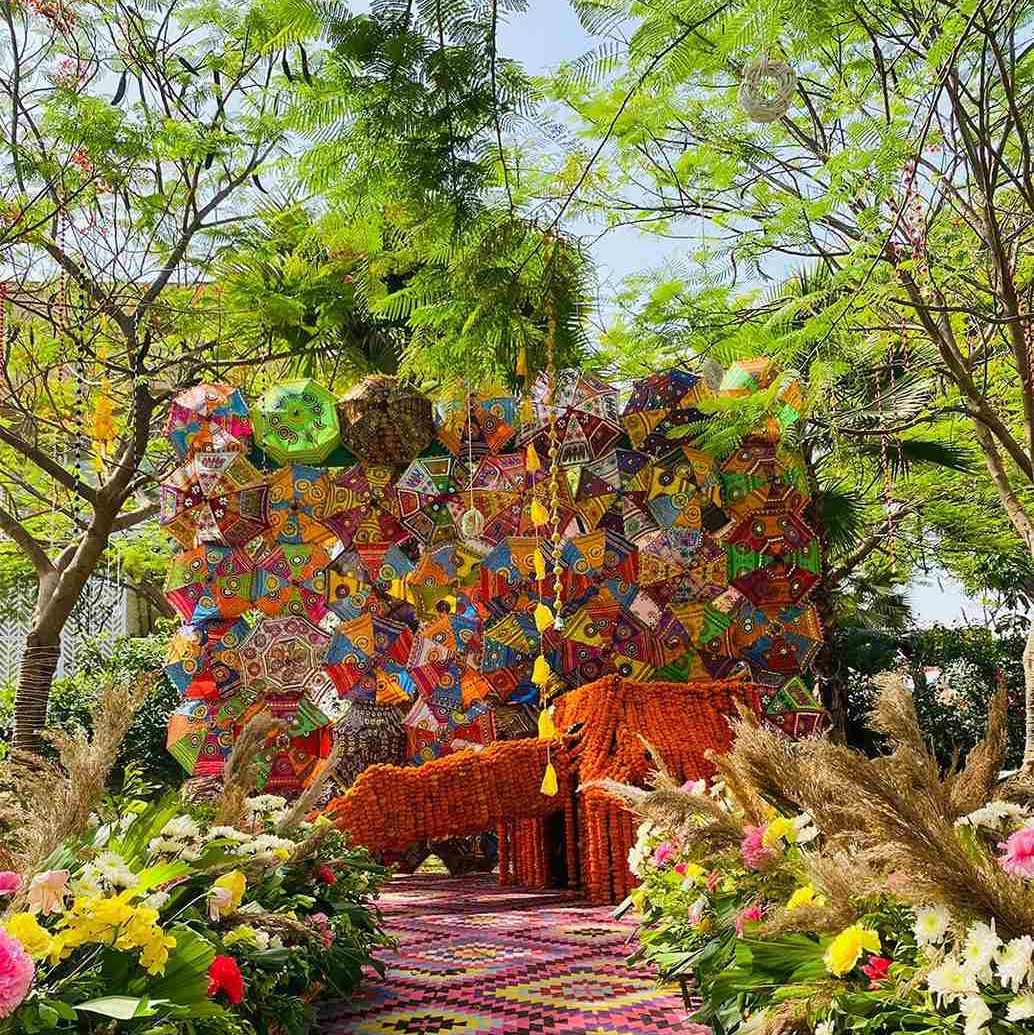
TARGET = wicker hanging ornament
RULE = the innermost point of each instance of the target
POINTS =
(766, 89)
(472, 524)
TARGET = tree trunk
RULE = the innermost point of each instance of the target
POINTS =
(38, 665)
(1028, 686)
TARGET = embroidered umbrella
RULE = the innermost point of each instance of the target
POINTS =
(379, 569)
(661, 405)
(386, 421)
(361, 506)
(296, 423)
(292, 579)
(200, 658)
(206, 418)
(292, 754)
(685, 491)
(210, 582)
(436, 581)
(613, 495)
(201, 733)
(477, 426)
(587, 423)
(747, 477)
(426, 490)
(511, 644)
(433, 730)
(283, 657)
(780, 646)
(298, 499)
(495, 489)
(214, 497)
(366, 657)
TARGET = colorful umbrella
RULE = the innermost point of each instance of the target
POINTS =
(433, 731)
(386, 421)
(426, 490)
(685, 491)
(772, 533)
(361, 506)
(436, 582)
(200, 662)
(477, 426)
(206, 418)
(587, 423)
(511, 643)
(297, 422)
(292, 579)
(660, 406)
(780, 646)
(376, 570)
(298, 501)
(201, 733)
(367, 657)
(795, 710)
(495, 489)
(214, 497)
(283, 657)
(291, 755)
(210, 582)
(613, 495)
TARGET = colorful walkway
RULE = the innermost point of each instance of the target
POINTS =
(474, 957)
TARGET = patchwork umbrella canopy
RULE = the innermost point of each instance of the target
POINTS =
(201, 733)
(660, 406)
(215, 497)
(200, 661)
(427, 489)
(777, 647)
(477, 426)
(292, 755)
(495, 489)
(298, 500)
(297, 423)
(376, 569)
(587, 423)
(433, 731)
(386, 421)
(207, 418)
(292, 579)
(367, 657)
(283, 657)
(210, 583)
(361, 506)
(613, 495)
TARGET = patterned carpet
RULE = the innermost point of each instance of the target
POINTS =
(474, 957)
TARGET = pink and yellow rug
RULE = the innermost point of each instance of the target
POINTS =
(474, 958)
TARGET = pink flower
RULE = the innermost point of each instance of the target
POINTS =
(47, 891)
(16, 973)
(10, 882)
(322, 924)
(756, 854)
(876, 970)
(663, 853)
(680, 869)
(1018, 859)
(752, 914)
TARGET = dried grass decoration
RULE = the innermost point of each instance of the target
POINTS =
(766, 89)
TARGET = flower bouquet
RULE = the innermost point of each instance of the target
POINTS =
(810, 889)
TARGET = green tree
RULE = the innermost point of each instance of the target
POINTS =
(901, 166)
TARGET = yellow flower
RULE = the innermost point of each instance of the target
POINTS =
(805, 896)
(638, 897)
(846, 948)
(226, 894)
(34, 939)
(693, 873)
(780, 829)
(156, 953)
(705, 925)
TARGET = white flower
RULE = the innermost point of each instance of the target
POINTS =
(265, 803)
(805, 830)
(189, 854)
(113, 869)
(163, 846)
(982, 943)
(180, 828)
(156, 900)
(87, 883)
(228, 834)
(993, 815)
(1021, 1008)
(976, 1012)
(265, 843)
(932, 923)
(1015, 962)
(951, 980)
(824, 1028)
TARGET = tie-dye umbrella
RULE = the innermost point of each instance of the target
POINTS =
(366, 658)
(298, 498)
(297, 423)
(587, 423)
(292, 579)
(214, 498)
(662, 405)
(434, 730)
(207, 418)
(426, 491)
(477, 426)
(210, 582)
(361, 506)
(201, 733)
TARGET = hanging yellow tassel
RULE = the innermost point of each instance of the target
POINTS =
(539, 560)
(543, 617)
(531, 459)
(540, 671)
(522, 362)
(539, 514)
(547, 729)
(549, 787)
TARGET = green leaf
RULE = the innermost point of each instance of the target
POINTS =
(121, 1007)
(185, 981)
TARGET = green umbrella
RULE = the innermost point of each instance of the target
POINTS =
(296, 422)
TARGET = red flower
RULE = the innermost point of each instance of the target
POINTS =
(876, 970)
(225, 976)
(326, 874)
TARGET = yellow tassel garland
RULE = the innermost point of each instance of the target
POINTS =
(540, 671)
(539, 514)
(547, 729)
(550, 787)
(531, 460)
(543, 617)
(539, 560)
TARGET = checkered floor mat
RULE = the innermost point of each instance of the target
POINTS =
(474, 957)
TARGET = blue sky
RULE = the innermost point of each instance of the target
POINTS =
(549, 33)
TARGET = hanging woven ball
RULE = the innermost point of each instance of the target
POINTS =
(766, 89)
(472, 524)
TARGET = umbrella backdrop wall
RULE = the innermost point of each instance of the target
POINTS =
(380, 552)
